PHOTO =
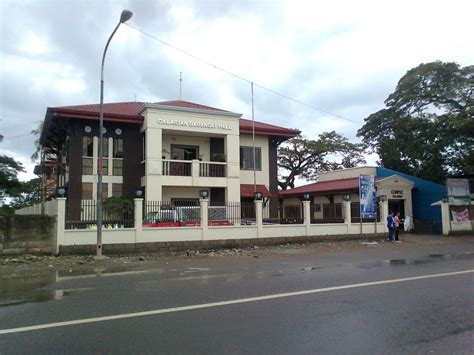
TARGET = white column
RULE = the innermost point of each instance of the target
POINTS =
(445, 218)
(307, 216)
(138, 218)
(346, 205)
(384, 214)
(204, 216)
(195, 172)
(259, 217)
(60, 223)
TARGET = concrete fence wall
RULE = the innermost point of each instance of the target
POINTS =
(32, 234)
(50, 209)
(140, 238)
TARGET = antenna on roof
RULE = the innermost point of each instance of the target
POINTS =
(180, 84)
(135, 97)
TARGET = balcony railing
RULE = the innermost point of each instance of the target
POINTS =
(194, 168)
(177, 167)
(212, 169)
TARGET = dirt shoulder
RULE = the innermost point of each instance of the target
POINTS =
(15, 266)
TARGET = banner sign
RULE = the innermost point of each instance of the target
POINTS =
(461, 217)
(367, 196)
(458, 187)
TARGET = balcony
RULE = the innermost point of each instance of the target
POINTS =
(194, 168)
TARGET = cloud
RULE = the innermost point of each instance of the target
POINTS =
(341, 56)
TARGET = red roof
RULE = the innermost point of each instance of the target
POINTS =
(247, 190)
(341, 185)
(130, 112)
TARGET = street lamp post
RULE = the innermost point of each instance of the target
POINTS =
(124, 17)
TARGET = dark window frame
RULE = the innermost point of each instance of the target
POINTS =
(246, 153)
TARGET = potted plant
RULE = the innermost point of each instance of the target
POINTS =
(218, 157)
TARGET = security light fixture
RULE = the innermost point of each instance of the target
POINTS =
(383, 198)
(61, 191)
(347, 197)
(258, 195)
(138, 193)
(306, 197)
(445, 199)
(204, 193)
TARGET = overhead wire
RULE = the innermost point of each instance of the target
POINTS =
(239, 76)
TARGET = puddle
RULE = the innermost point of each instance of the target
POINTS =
(431, 258)
(16, 298)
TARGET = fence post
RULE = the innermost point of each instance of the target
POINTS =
(195, 172)
(138, 216)
(346, 205)
(60, 223)
(204, 217)
(307, 216)
(445, 218)
(259, 217)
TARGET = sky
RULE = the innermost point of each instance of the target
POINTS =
(343, 57)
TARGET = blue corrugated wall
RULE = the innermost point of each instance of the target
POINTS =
(423, 195)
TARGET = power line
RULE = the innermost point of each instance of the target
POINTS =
(17, 136)
(241, 77)
(20, 124)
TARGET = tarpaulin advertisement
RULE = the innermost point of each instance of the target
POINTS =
(461, 217)
(367, 196)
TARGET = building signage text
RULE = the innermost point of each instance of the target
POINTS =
(192, 124)
(397, 193)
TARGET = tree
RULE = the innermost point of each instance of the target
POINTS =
(427, 127)
(304, 157)
(9, 169)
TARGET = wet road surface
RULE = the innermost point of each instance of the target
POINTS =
(421, 315)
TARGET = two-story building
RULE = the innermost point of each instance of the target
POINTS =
(172, 150)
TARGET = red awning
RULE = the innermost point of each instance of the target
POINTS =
(247, 190)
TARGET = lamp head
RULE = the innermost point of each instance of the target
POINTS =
(306, 197)
(125, 16)
(258, 195)
(204, 193)
(61, 191)
(138, 193)
(347, 197)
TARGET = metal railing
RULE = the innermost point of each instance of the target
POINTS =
(177, 167)
(231, 214)
(171, 214)
(212, 169)
(81, 214)
(355, 214)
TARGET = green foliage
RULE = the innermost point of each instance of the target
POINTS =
(118, 207)
(304, 157)
(9, 169)
(427, 127)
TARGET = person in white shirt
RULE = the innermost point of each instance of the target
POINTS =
(396, 225)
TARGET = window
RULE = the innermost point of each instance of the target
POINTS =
(105, 191)
(87, 154)
(246, 158)
(87, 166)
(293, 211)
(105, 166)
(87, 191)
(87, 146)
(105, 147)
(116, 190)
(118, 148)
(117, 157)
(184, 152)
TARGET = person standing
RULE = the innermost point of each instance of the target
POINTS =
(396, 225)
(390, 226)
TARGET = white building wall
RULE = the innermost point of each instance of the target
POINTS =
(263, 176)
(346, 173)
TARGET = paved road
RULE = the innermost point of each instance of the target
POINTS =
(347, 310)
